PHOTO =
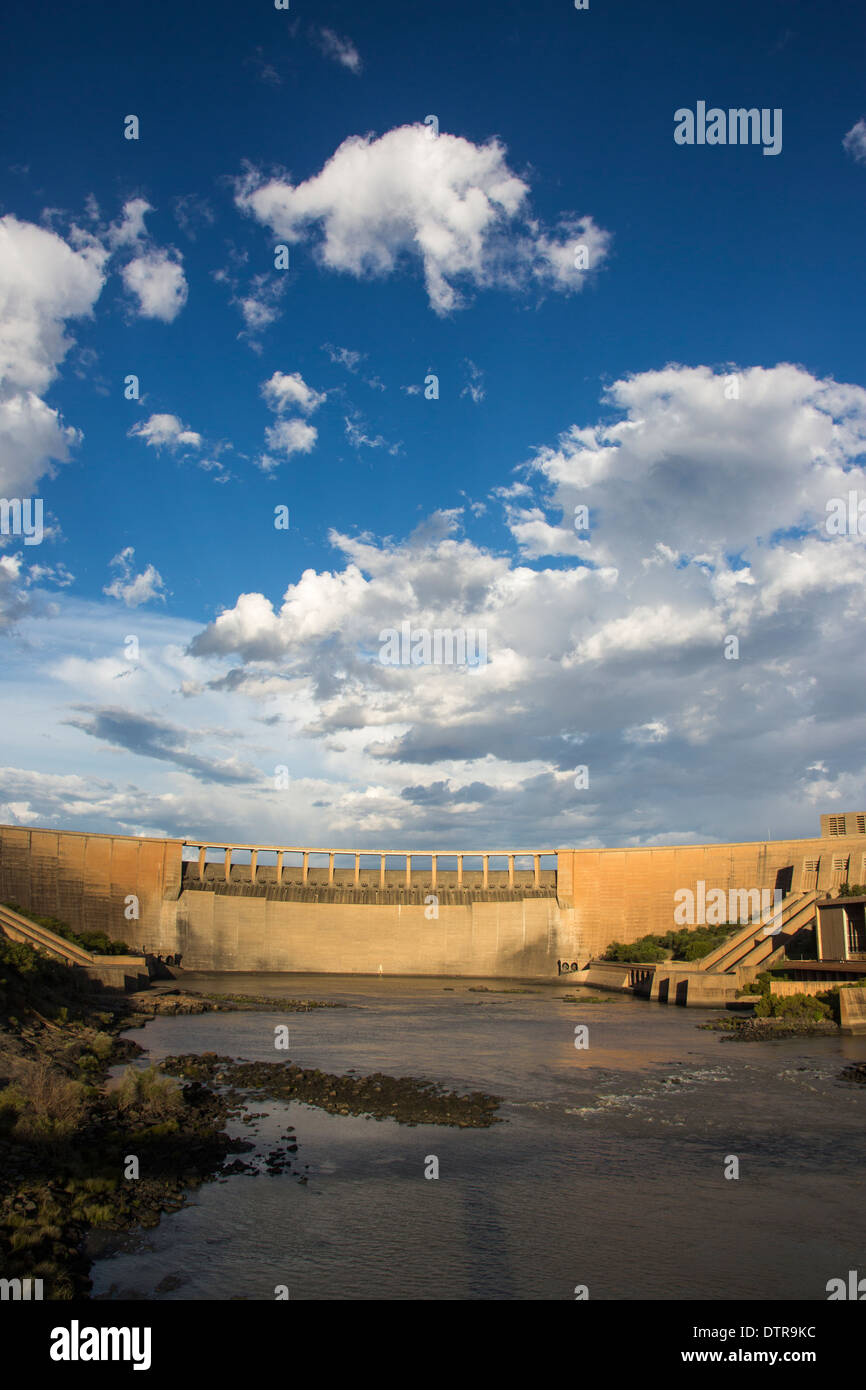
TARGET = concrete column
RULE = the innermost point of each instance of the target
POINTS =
(201, 854)
(511, 871)
(306, 869)
(460, 871)
(228, 866)
(330, 867)
(254, 859)
(408, 871)
(846, 935)
(433, 869)
(279, 867)
(485, 861)
(357, 869)
(381, 871)
(536, 868)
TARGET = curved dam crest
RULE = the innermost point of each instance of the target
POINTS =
(191, 897)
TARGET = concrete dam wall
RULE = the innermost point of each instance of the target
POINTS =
(85, 880)
(511, 938)
(623, 894)
(233, 907)
(224, 915)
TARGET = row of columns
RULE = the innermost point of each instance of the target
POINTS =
(305, 867)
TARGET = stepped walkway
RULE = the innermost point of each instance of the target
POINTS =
(19, 928)
(758, 943)
(112, 972)
(716, 979)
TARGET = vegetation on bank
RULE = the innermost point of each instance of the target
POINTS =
(26, 976)
(693, 943)
(95, 941)
(804, 1008)
(682, 943)
(783, 1015)
(65, 1140)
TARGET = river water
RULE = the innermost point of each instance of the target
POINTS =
(609, 1171)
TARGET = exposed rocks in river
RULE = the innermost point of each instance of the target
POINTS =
(403, 1098)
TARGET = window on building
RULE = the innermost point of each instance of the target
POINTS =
(856, 930)
(839, 867)
(835, 825)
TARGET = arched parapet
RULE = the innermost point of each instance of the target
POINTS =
(270, 867)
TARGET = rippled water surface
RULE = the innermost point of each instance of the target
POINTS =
(608, 1171)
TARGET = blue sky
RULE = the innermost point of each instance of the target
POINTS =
(414, 254)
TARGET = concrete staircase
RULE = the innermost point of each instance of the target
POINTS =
(751, 946)
(717, 980)
(19, 928)
(111, 972)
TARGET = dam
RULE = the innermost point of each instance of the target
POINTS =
(507, 913)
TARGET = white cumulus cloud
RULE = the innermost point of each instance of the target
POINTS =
(287, 437)
(131, 588)
(288, 391)
(166, 432)
(454, 206)
(855, 142)
(43, 283)
(157, 280)
(707, 519)
(130, 229)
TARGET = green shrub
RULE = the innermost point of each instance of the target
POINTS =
(102, 945)
(102, 1045)
(760, 984)
(644, 950)
(800, 1008)
(683, 943)
(24, 960)
(48, 1106)
(693, 943)
(144, 1097)
(26, 977)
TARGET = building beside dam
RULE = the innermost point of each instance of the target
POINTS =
(514, 913)
(840, 929)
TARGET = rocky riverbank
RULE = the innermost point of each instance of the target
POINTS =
(77, 1155)
(81, 1157)
(770, 1029)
